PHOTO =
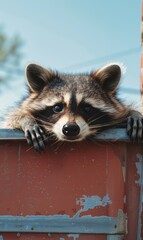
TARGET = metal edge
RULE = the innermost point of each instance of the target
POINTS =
(117, 237)
(62, 224)
(114, 134)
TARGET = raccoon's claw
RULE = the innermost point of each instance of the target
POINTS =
(135, 128)
(36, 137)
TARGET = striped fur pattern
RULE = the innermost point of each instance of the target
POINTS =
(70, 107)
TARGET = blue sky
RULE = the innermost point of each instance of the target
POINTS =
(75, 36)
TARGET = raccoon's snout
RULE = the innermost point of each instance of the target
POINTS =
(71, 130)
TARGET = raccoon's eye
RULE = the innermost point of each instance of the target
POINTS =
(58, 108)
(86, 108)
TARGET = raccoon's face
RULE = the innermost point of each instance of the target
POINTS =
(73, 107)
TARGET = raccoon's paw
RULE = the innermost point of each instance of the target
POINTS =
(135, 127)
(36, 137)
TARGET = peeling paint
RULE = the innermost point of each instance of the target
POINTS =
(139, 168)
(92, 202)
(1, 237)
(61, 238)
(49, 235)
(74, 236)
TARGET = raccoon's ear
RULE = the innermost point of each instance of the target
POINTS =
(109, 77)
(37, 77)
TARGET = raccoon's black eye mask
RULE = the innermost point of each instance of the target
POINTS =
(89, 113)
(87, 108)
(50, 111)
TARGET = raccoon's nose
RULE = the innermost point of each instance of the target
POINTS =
(71, 129)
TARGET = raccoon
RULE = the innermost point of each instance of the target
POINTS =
(72, 107)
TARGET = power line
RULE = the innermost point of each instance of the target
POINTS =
(104, 58)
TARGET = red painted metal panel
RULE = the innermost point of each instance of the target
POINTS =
(62, 181)
(51, 182)
(134, 155)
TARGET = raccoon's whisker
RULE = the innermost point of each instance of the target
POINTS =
(91, 120)
(100, 126)
(55, 142)
(32, 147)
(95, 119)
(59, 144)
(29, 149)
(116, 121)
(96, 126)
(51, 134)
(46, 123)
(39, 119)
(43, 121)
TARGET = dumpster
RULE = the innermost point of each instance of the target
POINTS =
(85, 190)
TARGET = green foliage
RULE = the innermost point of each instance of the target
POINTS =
(10, 56)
